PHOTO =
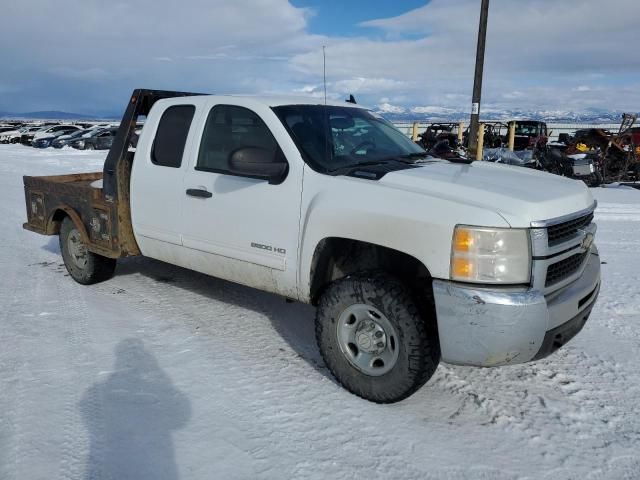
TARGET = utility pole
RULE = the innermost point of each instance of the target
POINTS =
(477, 80)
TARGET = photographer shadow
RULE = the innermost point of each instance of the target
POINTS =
(131, 416)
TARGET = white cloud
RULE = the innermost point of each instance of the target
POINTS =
(541, 54)
(388, 108)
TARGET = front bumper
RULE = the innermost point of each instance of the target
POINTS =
(490, 327)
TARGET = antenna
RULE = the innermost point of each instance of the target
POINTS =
(324, 72)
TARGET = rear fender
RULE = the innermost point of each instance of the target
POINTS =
(53, 225)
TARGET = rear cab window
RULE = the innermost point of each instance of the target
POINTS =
(171, 136)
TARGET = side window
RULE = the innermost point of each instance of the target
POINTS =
(229, 128)
(171, 137)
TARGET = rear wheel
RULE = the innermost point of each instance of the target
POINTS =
(84, 267)
(373, 338)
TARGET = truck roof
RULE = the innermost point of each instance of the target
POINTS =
(275, 101)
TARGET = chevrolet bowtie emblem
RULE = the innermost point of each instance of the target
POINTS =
(587, 241)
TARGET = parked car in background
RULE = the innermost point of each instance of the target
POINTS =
(27, 137)
(45, 140)
(55, 129)
(100, 139)
(64, 140)
(3, 131)
(13, 134)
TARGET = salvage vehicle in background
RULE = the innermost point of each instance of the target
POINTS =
(436, 132)
(56, 129)
(529, 134)
(98, 139)
(6, 128)
(13, 134)
(553, 158)
(43, 140)
(618, 154)
(8, 133)
(411, 260)
(64, 140)
(27, 137)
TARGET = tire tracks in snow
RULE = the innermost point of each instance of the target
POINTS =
(16, 406)
(76, 442)
(283, 406)
(565, 403)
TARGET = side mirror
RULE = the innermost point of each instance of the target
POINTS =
(259, 163)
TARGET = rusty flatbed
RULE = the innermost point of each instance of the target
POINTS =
(102, 215)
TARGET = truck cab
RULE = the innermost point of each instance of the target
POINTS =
(530, 133)
(410, 260)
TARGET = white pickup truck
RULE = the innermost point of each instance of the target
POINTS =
(410, 259)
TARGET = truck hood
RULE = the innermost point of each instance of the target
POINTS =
(520, 195)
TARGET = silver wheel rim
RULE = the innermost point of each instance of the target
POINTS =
(367, 339)
(77, 249)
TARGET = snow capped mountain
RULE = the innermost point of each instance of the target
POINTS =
(436, 113)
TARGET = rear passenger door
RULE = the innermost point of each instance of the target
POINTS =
(240, 228)
(156, 181)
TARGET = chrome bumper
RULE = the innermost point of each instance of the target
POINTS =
(490, 327)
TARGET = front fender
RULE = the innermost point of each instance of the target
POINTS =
(412, 223)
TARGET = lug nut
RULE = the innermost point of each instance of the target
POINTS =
(380, 344)
(378, 334)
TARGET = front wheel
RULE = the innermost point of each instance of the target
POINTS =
(373, 338)
(85, 267)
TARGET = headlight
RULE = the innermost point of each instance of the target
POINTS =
(490, 255)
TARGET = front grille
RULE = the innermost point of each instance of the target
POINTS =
(562, 231)
(564, 268)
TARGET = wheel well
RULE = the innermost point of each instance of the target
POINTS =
(335, 258)
(56, 221)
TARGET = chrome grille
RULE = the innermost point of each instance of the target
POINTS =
(556, 272)
(562, 231)
(558, 246)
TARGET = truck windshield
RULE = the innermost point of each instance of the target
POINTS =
(333, 137)
(529, 129)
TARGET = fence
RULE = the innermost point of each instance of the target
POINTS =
(555, 128)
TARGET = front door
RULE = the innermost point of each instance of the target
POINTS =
(239, 228)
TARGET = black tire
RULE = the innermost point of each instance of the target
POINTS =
(88, 146)
(595, 180)
(92, 268)
(417, 342)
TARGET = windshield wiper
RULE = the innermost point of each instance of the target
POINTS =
(408, 157)
(452, 159)
(416, 155)
(382, 161)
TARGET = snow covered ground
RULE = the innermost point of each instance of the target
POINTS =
(162, 373)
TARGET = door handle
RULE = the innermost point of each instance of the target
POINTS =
(197, 192)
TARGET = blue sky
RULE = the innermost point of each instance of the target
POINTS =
(398, 56)
(336, 17)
